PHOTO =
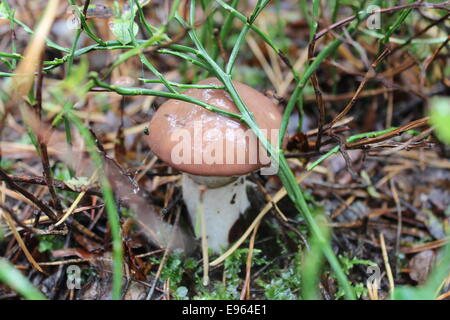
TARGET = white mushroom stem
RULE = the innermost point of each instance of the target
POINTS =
(224, 200)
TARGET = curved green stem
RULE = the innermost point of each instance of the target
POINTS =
(133, 91)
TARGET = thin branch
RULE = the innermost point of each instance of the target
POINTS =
(388, 135)
(41, 205)
(369, 74)
(21, 178)
(346, 21)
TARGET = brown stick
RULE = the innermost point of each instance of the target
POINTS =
(41, 205)
(391, 134)
(435, 53)
(31, 229)
(85, 8)
(370, 73)
(48, 176)
(318, 93)
(22, 178)
(320, 104)
(345, 21)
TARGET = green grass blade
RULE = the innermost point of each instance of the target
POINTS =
(18, 282)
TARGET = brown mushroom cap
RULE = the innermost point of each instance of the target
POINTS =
(175, 117)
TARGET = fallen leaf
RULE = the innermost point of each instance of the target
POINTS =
(420, 266)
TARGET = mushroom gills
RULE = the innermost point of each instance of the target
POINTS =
(224, 200)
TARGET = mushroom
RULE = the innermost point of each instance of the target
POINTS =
(214, 151)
